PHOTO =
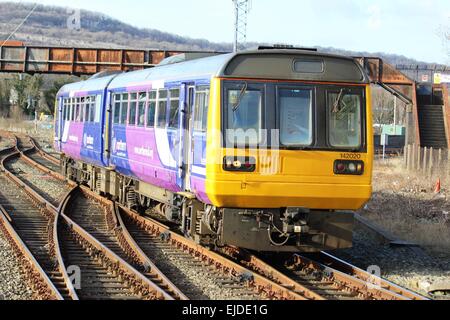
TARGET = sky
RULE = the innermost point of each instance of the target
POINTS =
(413, 28)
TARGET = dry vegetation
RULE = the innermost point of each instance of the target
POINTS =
(405, 204)
(42, 132)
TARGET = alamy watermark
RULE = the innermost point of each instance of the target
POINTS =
(74, 273)
(74, 19)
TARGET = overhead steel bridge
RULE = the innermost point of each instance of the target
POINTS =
(78, 61)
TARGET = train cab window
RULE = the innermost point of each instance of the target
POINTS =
(201, 109)
(141, 109)
(124, 108)
(133, 106)
(174, 108)
(295, 107)
(151, 109)
(244, 109)
(344, 114)
(161, 110)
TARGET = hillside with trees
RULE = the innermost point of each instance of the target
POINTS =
(48, 26)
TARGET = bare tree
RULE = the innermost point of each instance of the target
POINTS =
(5, 89)
(382, 107)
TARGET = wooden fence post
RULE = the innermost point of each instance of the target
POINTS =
(440, 158)
(408, 157)
(431, 162)
(405, 157)
(425, 160)
(418, 157)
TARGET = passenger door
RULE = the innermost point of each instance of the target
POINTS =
(60, 108)
(187, 135)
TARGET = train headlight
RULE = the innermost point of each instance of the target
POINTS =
(352, 167)
(239, 164)
(347, 167)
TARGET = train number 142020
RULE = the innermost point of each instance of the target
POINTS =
(351, 156)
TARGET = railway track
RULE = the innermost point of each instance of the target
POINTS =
(29, 227)
(89, 224)
(47, 241)
(111, 237)
(322, 276)
(191, 263)
(99, 220)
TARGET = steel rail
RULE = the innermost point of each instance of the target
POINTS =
(44, 154)
(261, 284)
(139, 282)
(129, 246)
(150, 266)
(331, 261)
(45, 209)
(255, 264)
(367, 290)
(40, 282)
(345, 276)
(120, 232)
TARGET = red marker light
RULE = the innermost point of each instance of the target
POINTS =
(340, 167)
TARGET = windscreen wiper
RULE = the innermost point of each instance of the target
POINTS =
(338, 101)
(241, 94)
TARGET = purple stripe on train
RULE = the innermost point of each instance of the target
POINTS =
(72, 139)
(144, 159)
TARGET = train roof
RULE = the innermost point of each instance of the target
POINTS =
(279, 64)
(90, 85)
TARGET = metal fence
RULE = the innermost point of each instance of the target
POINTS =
(425, 160)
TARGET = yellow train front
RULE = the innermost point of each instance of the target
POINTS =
(289, 151)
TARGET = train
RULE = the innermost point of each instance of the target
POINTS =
(270, 149)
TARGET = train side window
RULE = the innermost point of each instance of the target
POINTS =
(85, 109)
(72, 109)
(96, 108)
(161, 110)
(124, 108)
(151, 109)
(69, 109)
(75, 109)
(174, 108)
(141, 109)
(201, 109)
(78, 110)
(133, 105)
(90, 103)
(64, 112)
(89, 108)
(116, 116)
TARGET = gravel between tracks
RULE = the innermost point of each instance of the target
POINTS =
(409, 267)
(49, 187)
(12, 284)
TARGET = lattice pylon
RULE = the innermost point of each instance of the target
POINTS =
(242, 9)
